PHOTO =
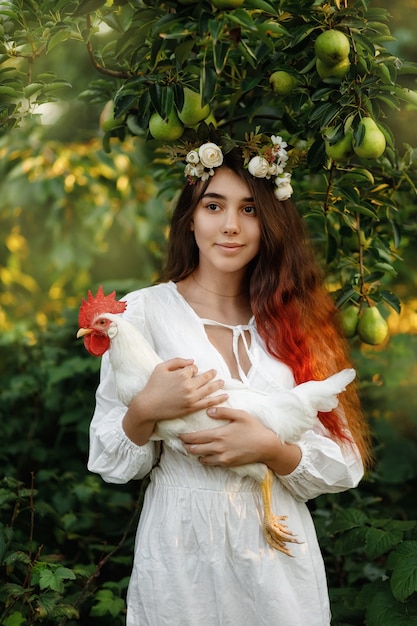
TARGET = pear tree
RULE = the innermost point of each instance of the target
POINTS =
(320, 74)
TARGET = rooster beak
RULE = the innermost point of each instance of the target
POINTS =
(83, 331)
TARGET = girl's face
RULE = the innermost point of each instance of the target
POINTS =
(225, 224)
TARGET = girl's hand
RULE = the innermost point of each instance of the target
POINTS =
(174, 389)
(243, 440)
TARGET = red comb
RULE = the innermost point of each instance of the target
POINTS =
(98, 304)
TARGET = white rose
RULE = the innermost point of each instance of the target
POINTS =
(258, 167)
(192, 157)
(210, 155)
(283, 189)
(273, 170)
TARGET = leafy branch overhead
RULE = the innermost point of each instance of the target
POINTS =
(317, 74)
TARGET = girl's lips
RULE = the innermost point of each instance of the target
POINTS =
(229, 246)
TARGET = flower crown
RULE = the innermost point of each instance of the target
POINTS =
(263, 156)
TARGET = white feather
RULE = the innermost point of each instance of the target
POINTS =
(288, 413)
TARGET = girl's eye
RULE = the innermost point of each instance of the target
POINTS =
(250, 210)
(212, 206)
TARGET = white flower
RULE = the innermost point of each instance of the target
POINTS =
(192, 157)
(258, 167)
(194, 171)
(273, 170)
(210, 155)
(206, 175)
(276, 140)
(283, 189)
(284, 192)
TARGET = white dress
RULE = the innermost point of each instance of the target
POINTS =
(200, 556)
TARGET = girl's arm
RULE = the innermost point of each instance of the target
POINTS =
(316, 464)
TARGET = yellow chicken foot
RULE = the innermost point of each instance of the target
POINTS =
(276, 534)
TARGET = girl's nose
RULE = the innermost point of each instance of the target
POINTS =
(230, 222)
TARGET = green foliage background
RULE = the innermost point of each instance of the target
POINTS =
(81, 207)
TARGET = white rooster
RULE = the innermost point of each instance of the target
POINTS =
(288, 413)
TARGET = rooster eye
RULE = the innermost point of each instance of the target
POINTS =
(102, 322)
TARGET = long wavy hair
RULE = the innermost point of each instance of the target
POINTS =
(294, 313)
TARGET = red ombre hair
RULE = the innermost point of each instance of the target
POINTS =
(295, 315)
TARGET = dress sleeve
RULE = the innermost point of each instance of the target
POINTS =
(112, 454)
(326, 466)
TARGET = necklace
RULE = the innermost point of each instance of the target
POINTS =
(221, 295)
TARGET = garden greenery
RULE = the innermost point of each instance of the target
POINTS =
(88, 205)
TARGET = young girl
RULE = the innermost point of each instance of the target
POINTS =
(242, 299)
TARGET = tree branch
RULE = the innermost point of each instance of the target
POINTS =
(96, 64)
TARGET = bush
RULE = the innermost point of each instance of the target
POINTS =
(66, 537)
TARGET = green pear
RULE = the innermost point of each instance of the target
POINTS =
(373, 143)
(332, 71)
(372, 328)
(192, 112)
(107, 120)
(332, 46)
(348, 320)
(168, 129)
(282, 82)
(342, 149)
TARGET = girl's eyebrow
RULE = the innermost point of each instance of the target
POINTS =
(219, 196)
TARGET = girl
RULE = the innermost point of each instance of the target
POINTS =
(242, 298)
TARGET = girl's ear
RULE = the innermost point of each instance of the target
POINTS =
(192, 225)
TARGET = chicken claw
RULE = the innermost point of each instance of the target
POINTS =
(276, 533)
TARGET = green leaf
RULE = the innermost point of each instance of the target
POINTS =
(220, 54)
(348, 519)
(56, 84)
(379, 541)
(61, 35)
(53, 578)
(15, 619)
(88, 6)
(243, 18)
(183, 51)
(404, 575)
(32, 88)
(384, 610)
(392, 299)
(261, 5)
(363, 210)
(5, 90)
(247, 53)
(107, 603)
